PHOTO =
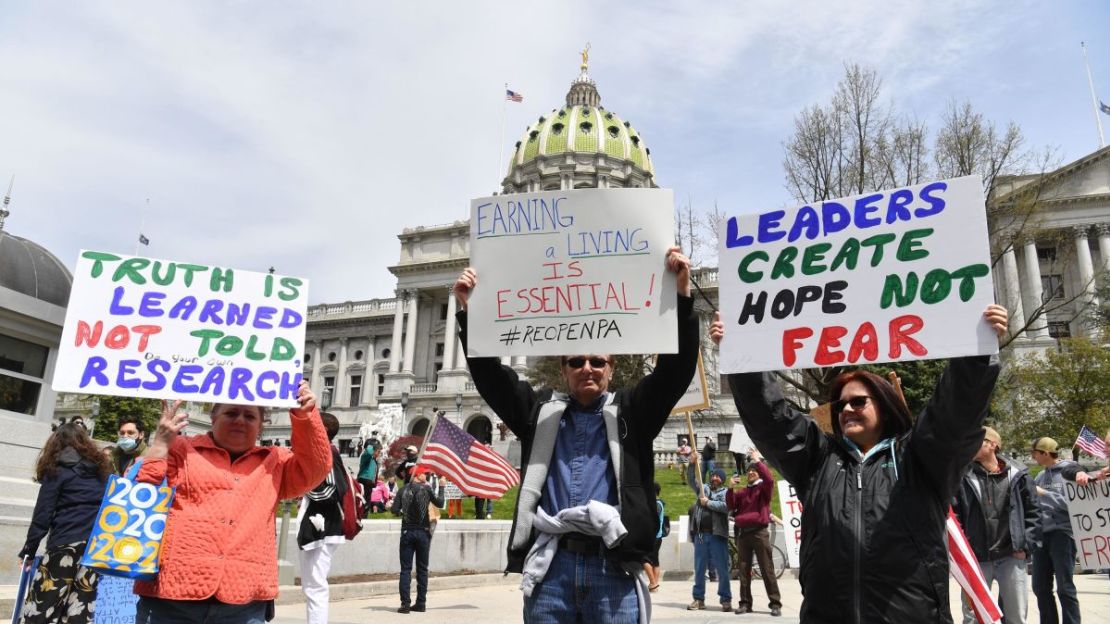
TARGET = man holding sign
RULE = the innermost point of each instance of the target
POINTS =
(587, 457)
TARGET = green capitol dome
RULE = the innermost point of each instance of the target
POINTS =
(580, 145)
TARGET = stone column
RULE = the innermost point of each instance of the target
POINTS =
(1083, 255)
(314, 381)
(506, 360)
(1013, 285)
(449, 333)
(339, 396)
(1104, 244)
(398, 327)
(1039, 328)
(460, 355)
(520, 361)
(410, 331)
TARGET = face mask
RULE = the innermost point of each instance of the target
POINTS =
(127, 444)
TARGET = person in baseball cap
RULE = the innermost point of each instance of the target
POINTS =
(1054, 560)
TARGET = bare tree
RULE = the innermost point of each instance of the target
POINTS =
(689, 232)
(967, 143)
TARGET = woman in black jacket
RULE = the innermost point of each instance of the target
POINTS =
(72, 472)
(875, 493)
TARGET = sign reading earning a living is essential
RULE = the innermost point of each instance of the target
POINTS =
(1089, 509)
(895, 275)
(696, 396)
(579, 271)
(163, 329)
(791, 509)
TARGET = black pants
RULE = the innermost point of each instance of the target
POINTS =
(414, 542)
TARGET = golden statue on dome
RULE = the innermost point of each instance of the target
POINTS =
(585, 57)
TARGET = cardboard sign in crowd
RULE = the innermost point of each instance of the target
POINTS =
(162, 329)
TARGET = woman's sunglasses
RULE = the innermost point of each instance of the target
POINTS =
(857, 403)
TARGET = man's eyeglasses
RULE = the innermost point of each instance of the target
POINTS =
(579, 362)
(857, 403)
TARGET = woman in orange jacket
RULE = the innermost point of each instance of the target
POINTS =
(219, 557)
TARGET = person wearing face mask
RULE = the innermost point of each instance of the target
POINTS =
(586, 518)
(875, 492)
(130, 444)
(219, 553)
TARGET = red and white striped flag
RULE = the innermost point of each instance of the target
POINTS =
(471, 465)
(965, 569)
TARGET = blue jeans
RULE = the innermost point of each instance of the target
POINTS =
(583, 588)
(209, 611)
(414, 542)
(1012, 594)
(707, 468)
(712, 550)
(1055, 559)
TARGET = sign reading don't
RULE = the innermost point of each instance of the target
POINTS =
(580, 271)
(162, 329)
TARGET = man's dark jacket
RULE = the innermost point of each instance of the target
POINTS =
(873, 534)
(642, 412)
(1023, 519)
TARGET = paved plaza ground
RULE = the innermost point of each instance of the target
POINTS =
(497, 600)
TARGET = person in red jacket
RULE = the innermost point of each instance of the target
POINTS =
(750, 507)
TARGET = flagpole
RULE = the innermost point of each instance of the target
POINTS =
(427, 436)
(501, 143)
(1094, 98)
(142, 226)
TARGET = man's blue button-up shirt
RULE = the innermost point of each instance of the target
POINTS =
(580, 469)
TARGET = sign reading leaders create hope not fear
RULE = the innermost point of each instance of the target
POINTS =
(579, 271)
(901, 274)
(163, 329)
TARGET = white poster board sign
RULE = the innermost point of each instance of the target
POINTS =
(739, 442)
(696, 396)
(562, 272)
(895, 275)
(791, 509)
(1089, 509)
(151, 328)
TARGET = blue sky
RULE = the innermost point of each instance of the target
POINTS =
(306, 136)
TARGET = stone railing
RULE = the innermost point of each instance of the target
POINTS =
(470, 387)
(348, 308)
(705, 276)
(424, 388)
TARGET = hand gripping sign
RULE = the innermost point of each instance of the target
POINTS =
(127, 537)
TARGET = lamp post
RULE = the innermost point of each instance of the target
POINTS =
(458, 404)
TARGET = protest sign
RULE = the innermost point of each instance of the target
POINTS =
(115, 600)
(696, 396)
(579, 271)
(791, 509)
(895, 275)
(1089, 509)
(739, 441)
(161, 329)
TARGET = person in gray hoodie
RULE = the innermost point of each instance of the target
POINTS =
(709, 531)
(997, 507)
(1056, 556)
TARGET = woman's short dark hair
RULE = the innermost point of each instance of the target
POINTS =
(894, 416)
(331, 424)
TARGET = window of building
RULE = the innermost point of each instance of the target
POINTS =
(443, 312)
(331, 356)
(1046, 254)
(1052, 286)
(307, 358)
(22, 366)
(1059, 329)
(385, 353)
(723, 441)
(356, 390)
(329, 391)
(439, 349)
(358, 355)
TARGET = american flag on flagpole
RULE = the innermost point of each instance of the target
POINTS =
(513, 96)
(965, 569)
(475, 468)
(1090, 443)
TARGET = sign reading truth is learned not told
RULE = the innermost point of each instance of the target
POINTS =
(894, 275)
(163, 329)
(579, 271)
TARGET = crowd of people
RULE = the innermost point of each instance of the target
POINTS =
(588, 521)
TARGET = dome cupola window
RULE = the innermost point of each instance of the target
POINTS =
(585, 126)
(533, 134)
(557, 128)
(614, 131)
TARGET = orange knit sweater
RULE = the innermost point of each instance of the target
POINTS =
(220, 535)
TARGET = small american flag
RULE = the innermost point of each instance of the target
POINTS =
(513, 96)
(477, 470)
(1091, 443)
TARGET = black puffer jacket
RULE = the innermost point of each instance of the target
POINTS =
(873, 534)
(67, 504)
